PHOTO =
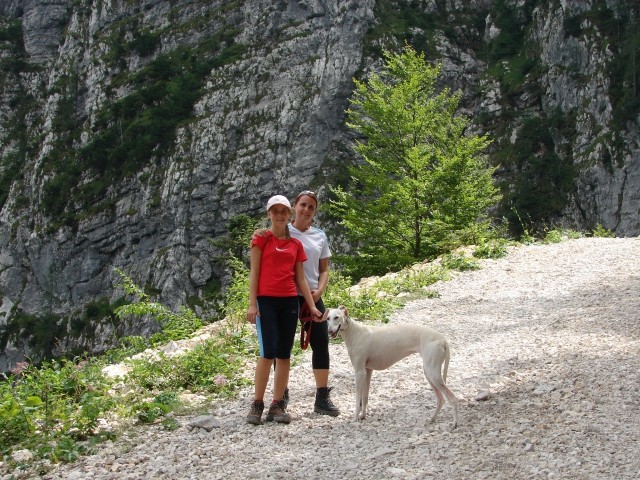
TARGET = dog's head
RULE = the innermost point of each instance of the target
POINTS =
(337, 319)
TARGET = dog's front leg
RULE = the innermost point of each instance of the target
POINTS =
(361, 378)
(365, 394)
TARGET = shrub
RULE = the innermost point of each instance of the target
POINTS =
(458, 261)
(55, 405)
(600, 231)
(496, 248)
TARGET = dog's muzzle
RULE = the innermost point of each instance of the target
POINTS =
(335, 334)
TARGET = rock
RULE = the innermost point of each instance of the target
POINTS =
(206, 422)
(482, 397)
(23, 455)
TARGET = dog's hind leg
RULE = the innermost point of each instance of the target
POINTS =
(439, 400)
(441, 390)
(453, 400)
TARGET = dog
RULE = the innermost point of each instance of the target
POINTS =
(377, 348)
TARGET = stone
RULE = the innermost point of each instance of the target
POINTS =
(206, 422)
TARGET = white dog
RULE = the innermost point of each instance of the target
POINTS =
(377, 348)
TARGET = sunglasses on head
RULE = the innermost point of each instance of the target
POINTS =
(308, 193)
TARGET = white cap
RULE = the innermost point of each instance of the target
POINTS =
(278, 200)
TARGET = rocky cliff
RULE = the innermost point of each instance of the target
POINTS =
(132, 131)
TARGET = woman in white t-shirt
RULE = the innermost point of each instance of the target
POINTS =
(316, 270)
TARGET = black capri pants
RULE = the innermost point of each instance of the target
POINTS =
(319, 340)
(276, 326)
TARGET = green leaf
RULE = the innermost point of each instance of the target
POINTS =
(33, 401)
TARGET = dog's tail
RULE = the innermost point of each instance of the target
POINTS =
(447, 355)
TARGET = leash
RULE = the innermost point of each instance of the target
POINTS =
(304, 314)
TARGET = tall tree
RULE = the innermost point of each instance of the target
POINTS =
(422, 184)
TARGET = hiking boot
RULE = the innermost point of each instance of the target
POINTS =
(255, 414)
(285, 399)
(324, 405)
(277, 413)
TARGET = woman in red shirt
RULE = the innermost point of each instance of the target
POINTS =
(276, 271)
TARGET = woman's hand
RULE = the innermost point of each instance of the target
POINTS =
(316, 314)
(252, 313)
(259, 232)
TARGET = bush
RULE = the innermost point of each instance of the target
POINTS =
(57, 404)
(458, 261)
(600, 231)
(491, 249)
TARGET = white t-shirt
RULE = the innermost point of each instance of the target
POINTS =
(316, 247)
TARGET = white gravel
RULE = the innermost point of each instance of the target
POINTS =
(545, 359)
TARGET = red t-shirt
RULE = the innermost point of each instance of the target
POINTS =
(277, 265)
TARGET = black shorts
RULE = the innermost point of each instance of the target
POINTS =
(276, 326)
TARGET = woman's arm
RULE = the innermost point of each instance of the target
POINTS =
(254, 275)
(303, 286)
(323, 279)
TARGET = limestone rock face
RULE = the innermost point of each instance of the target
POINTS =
(269, 118)
(263, 125)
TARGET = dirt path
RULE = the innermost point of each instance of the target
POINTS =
(545, 358)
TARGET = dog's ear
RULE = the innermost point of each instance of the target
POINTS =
(325, 315)
(344, 309)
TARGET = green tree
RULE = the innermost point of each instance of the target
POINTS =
(422, 186)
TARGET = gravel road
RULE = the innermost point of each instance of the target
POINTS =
(545, 360)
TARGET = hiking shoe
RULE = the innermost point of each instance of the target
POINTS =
(285, 399)
(324, 405)
(278, 413)
(255, 414)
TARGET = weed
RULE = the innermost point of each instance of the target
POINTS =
(496, 248)
(458, 261)
(557, 235)
(602, 232)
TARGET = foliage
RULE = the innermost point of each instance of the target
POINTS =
(235, 244)
(602, 232)
(10, 165)
(236, 297)
(459, 261)
(175, 326)
(213, 366)
(540, 188)
(15, 138)
(41, 332)
(509, 20)
(404, 22)
(422, 184)
(150, 411)
(365, 304)
(494, 248)
(378, 299)
(52, 407)
(558, 235)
